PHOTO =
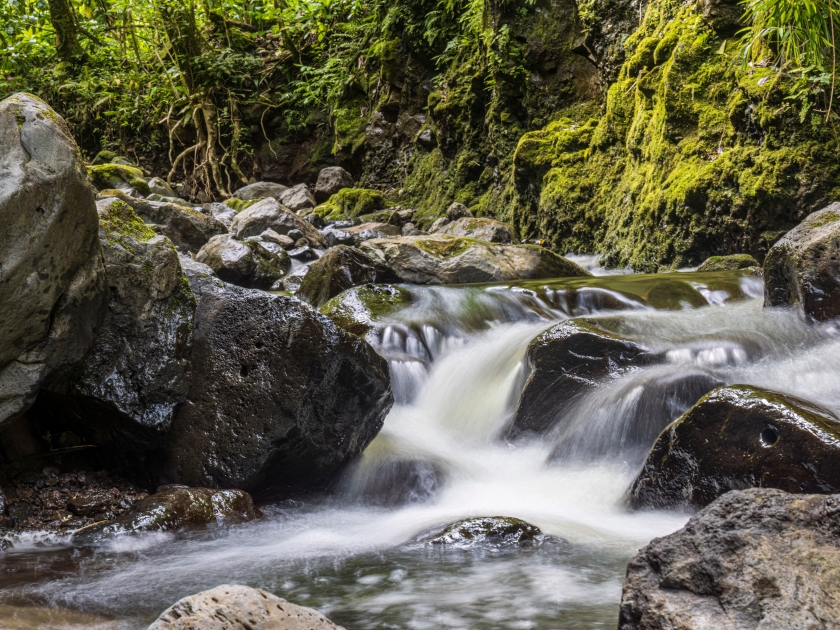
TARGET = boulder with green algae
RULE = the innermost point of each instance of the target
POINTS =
(803, 267)
(689, 159)
(237, 204)
(341, 268)
(674, 294)
(739, 437)
(53, 293)
(356, 310)
(119, 176)
(493, 530)
(348, 203)
(729, 263)
(247, 263)
(172, 510)
(753, 559)
(442, 259)
(135, 376)
(482, 229)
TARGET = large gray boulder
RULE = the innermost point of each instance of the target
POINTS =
(280, 398)
(753, 560)
(488, 230)
(269, 214)
(339, 269)
(330, 181)
(803, 267)
(260, 190)
(236, 607)
(135, 376)
(248, 263)
(52, 280)
(740, 437)
(298, 198)
(441, 259)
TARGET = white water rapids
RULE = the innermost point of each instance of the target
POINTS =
(457, 367)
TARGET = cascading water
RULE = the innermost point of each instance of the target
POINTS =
(457, 361)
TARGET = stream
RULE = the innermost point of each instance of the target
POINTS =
(457, 361)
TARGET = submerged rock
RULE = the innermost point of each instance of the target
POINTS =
(269, 214)
(339, 269)
(260, 190)
(753, 559)
(565, 362)
(330, 181)
(135, 376)
(739, 437)
(729, 263)
(356, 309)
(494, 530)
(488, 230)
(804, 266)
(246, 263)
(53, 293)
(279, 399)
(236, 607)
(173, 510)
(441, 259)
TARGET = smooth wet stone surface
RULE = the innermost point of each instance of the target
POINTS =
(356, 309)
(729, 263)
(270, 214)
(494, 530)
(339, 269)
(739, 437)
(249, 263)
(754, 559)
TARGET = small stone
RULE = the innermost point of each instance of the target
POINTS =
(457, 211)
(282, 240)
(438, 225)
(303, 252)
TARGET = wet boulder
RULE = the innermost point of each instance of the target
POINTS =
(52, 281)
(260, 190)
(330, 181)
(128, 179)
(370, 230)
(757, 558)
(566, 362)
(235, 607)
(135, 376)
(297, 198)
(441, 259)
(488, 230)
(494, 530)
(172, 510)
(729, 263)
(222, 213)
(158, 186)
(245, 263)
(356, 310)
(279, 399)
(269, 214)
(803, 267)
(339, 269)
(739, 437)
(674, 295)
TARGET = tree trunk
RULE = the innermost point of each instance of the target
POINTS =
(66, 36)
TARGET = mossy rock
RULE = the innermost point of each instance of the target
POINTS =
(356, 310)
(240, 204)
(349, 203)
(112, 175)
(729, 263)
(117, 219)
(669, 294)
(493, 530)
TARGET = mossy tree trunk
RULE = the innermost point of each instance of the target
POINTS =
(66, 30)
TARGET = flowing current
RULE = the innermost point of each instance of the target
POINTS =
(457, 357)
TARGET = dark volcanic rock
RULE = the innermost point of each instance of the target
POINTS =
(172, 510)
(269, 214)
(134, 378)
(248, 263)
(565, 362)
(494, 530)
(237, 607)
(339, 269)
(804, 266)
(53, 294)
(186, 227)
(753, 559)
(739, 437)
(280, 397)
(330, 181)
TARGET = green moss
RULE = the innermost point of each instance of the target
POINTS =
(240, 204)
(729, 263)
(110, 175)
(355, 310)
(824, 219)
(349, 203)
(442, 247)
(118, 219)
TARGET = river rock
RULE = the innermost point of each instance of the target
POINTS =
(279, 399)
(803, 267)
(739, 437)
(753, 559)
(175, 509)
(367, 231)
(565, 362)
(438, 225)
(270, 236)
(135, 376)
(52, 280)
(222, 213)
(269, 214)
(356, 310)
(245, 263)
(441, 259)
(494, 530)
(128, 179)
(260, 190)
(488, 230)
(339, 269)
(729, 263)
(457, 211)
(158, 186)
(297, 198)
(330, 181)
(236, 607)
